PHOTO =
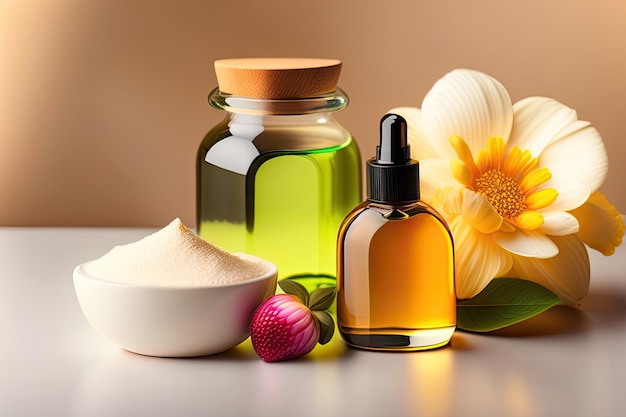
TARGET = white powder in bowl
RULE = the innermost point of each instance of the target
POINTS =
(174, 257)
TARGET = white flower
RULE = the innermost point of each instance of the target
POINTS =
(517, 183)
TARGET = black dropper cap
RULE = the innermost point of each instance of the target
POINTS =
(392, 176)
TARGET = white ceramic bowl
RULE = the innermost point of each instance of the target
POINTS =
(172, 321)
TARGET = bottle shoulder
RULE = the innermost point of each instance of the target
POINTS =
(369, 214)
(404, 211)
(280, 134)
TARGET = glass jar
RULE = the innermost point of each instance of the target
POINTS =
(275, 179)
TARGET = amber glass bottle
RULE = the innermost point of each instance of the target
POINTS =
(395, 271)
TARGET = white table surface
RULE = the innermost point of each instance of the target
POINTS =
(564, 362)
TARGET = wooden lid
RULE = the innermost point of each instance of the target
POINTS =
(277, 78)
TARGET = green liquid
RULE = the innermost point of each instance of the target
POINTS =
(288, 206)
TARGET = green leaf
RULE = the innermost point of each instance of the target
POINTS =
(322, 298)
(327, 326)
(505, 301)
(295, 288)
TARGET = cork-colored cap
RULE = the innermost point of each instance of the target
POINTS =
(277, 78)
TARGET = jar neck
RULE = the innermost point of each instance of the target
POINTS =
(330, 102)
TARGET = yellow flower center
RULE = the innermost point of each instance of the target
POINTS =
(511, 182)
(502, 192)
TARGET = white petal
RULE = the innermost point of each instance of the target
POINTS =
(577, 156)
(566, 275)
(480, 213)
(478, 259)
(469, 104)
(434, 174)
(537, 122)
(527, 243)
(559, 224)
(571, 195)
(421, 147)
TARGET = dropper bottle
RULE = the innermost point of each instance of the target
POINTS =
(395, 257)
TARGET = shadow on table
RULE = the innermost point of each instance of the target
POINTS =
(598, 309)
(334, 350)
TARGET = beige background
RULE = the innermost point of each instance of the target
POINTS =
(103, 102)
